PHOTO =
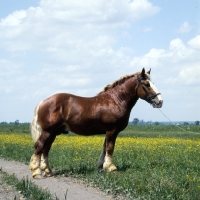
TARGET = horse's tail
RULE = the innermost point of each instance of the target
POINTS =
(35, 126)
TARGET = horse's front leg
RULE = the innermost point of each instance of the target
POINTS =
(109, 149)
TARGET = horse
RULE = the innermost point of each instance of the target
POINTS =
(106, 113)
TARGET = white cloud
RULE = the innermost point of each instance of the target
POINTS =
(190, 74)
(147, 29)
(99, 11)
(14, 19)
(66, 25)
(176, 45)
(73, 38)
(195, 42)
(150, 60)
(185, 27)
(178, 64)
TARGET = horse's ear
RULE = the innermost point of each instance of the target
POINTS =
(143, 73)
(149, 71)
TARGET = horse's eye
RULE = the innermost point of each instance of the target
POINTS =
(147, 85)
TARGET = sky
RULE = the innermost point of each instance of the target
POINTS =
(79, 47)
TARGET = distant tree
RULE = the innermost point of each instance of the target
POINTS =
(142, 121)
(17, 122)
(185, 123)
(135, 121)
(156, 123)
(197, 123)
(4, 123)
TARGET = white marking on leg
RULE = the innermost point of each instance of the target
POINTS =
(44, 162)
(107, 162)
(108, 165)
(44, 165)
(108, 158)
(35, 166)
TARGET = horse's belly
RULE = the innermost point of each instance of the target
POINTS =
(85, 130)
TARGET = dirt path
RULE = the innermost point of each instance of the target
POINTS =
(8, 192)
(57, 186)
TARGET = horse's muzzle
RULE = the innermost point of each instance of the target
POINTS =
(156, 103)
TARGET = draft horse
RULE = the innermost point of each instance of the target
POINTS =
(106, 113)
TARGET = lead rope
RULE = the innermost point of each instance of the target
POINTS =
(175, 124)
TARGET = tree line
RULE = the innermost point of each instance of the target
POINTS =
(136, 121)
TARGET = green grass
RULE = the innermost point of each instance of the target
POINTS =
(154, 162)
(16, 128)
(171, 131)
(27, 188)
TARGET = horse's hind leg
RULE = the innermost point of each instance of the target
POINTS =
(102, 156)
(35, 166)
(44, 165)
(39, 160)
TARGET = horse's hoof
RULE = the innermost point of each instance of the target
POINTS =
(38, 176)
(49, 174)
(110, 168)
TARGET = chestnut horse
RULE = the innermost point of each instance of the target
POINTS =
(106, 113)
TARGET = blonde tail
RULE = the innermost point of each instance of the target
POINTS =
(35, 127)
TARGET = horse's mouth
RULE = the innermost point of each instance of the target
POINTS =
(156, 103)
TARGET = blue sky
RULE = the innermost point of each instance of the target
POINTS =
(53, 46)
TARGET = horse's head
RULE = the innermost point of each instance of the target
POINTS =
(147, 90)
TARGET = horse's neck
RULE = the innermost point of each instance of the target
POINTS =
(127, 92)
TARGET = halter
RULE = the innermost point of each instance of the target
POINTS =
(149, 97)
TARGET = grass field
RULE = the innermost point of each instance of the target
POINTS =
(154, 162)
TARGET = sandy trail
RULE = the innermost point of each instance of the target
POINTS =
(57, 186)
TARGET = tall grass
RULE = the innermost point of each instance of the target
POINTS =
(154, 162)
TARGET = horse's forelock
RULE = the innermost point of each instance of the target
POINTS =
(148, 77)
